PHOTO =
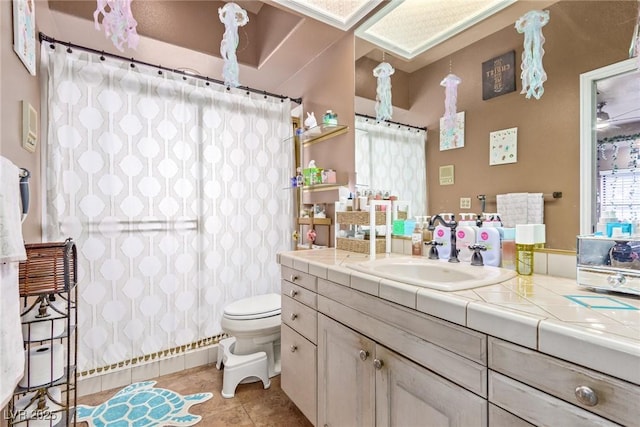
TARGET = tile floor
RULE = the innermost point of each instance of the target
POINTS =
(251, 406)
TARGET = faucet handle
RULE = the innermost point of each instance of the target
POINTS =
(476, 257)
(433, 251)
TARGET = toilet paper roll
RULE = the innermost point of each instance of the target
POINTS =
(27, 410)
(38, 328)
(43, 365)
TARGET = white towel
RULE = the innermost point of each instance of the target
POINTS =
(11, 242)
(512, 208)
(520, 208)
(535, 208)
(11, 344)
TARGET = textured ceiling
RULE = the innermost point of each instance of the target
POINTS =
(342, 14)
(410, 27)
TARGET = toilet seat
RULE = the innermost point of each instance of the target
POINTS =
(258, 307)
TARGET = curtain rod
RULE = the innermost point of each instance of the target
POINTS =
(69, 45)
(392, 122)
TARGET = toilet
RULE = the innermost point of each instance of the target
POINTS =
(254, 322)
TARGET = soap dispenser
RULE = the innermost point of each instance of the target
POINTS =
(465, 237)
(489, 236)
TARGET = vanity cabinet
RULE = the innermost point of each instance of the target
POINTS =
(378, 363)
(362, 383)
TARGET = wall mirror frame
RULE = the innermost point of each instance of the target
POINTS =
(588, 137)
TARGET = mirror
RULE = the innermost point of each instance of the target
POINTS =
(390, 157)
(608, 96)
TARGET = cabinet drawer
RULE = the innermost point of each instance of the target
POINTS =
(498, 417)
(301, 318)
(298, 277)
(537, 407)
(617, 400)
(299, 293)
(298, 377)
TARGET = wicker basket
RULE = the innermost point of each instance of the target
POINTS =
(49, 268)
(360, 218)
(360, 246)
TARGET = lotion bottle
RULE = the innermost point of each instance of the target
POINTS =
(465, 236)
(489, 236)
(416, 240)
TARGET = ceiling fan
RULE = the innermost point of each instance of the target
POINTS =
(603, 120)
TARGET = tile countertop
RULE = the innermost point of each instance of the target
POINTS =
(553, 315)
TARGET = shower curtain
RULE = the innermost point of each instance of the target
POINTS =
(392, 158)
(172, 190)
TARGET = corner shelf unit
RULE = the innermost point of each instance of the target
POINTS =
(46, 396)
(314, 135)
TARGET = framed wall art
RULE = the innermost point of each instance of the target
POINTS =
(24, 33)
(503, 146)
(455, 138)
(499, 75)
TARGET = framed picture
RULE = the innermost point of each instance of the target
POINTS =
(499, 75)
(24, 33)
(503, 146)
(454, 138)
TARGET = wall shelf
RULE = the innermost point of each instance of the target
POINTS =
(322, 187)
(321, 133)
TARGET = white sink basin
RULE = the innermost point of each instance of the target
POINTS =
(434, 274)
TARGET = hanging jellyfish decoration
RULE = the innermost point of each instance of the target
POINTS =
(232, 16)
(533, 74)
(118, 23)
(383, 73)
(450, 84)
(634, 50)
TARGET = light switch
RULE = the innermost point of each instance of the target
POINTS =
(446, 175)
(465, 202)
(29, 127)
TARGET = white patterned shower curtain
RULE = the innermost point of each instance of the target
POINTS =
(392, 157)
(172, 190)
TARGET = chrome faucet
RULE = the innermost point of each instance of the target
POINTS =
(452, 224)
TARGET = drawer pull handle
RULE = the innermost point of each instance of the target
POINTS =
(616, 280)
(293, 348)
(378, 364)
(363, 355)
(293, 316)
(293, 278)
(586, 395)
(293, 293)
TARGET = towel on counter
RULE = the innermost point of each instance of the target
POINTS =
(520, 208)
(11, 242)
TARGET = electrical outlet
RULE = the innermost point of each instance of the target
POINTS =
(465, 202)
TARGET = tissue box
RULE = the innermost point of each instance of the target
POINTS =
(312, 176)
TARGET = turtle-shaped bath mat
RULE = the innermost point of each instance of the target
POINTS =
(142, 405)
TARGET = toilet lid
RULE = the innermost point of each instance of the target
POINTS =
(257, 307)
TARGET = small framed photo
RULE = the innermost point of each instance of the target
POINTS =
(24, 33)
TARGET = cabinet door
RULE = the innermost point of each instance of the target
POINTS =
(409, 395)
(298, 376)
(346, 377)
